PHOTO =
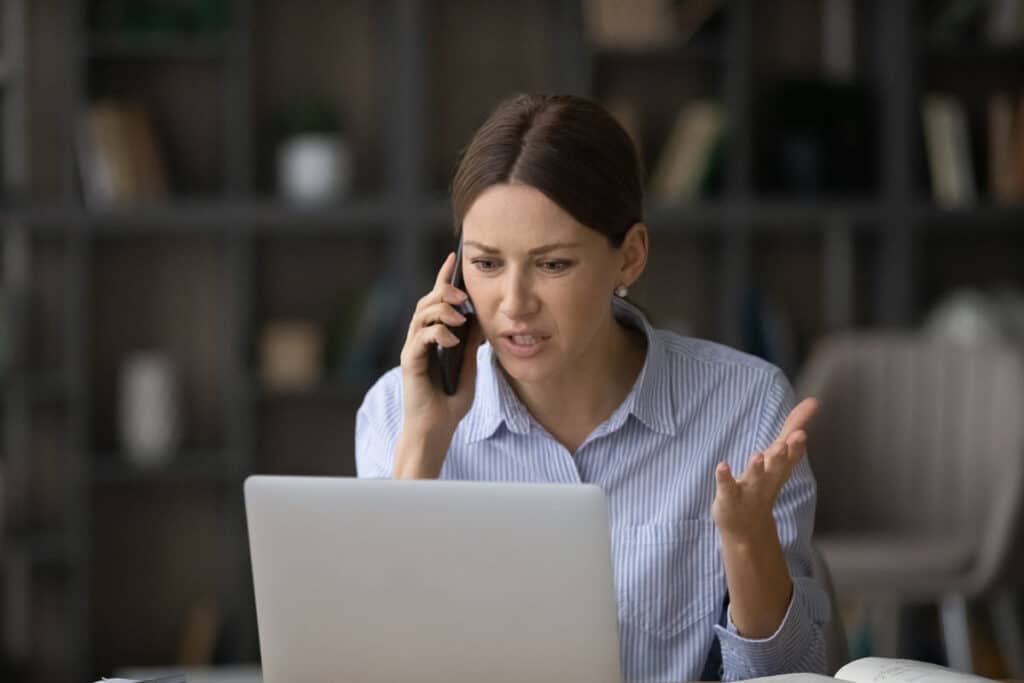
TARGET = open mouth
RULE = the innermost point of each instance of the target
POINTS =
(524, 345)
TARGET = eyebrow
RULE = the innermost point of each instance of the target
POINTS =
(533, 252)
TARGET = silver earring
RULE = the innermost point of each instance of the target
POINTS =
(621, 291)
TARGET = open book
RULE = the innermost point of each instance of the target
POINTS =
(883, 670)
(175, 678)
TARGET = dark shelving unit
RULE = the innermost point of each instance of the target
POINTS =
(837, 262)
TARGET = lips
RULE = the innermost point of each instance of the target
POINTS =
(525, 344)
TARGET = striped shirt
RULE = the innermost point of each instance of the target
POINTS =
(694, 404)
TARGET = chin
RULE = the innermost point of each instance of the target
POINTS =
(527, 370)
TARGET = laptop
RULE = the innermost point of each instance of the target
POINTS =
(382, 581)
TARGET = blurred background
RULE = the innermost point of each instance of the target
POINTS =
(218, 214)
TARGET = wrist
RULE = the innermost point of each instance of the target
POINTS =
(751, 537)
(420, 454)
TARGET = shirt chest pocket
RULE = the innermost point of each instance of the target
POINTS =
(666, 575)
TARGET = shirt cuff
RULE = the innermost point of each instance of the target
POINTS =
(776, 654)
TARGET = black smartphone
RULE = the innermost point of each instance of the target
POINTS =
(448, 361)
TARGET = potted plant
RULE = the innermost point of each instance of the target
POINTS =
(314, 160)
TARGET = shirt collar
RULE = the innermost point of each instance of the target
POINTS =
(651, 399)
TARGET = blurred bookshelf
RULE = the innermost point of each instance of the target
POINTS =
(201, 267)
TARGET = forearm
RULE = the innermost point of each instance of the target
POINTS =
(758, 579)
(420, 456)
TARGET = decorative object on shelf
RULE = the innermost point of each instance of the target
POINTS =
(970, 316)
(646, 24)
(314, 160)
(948, 148)
(291, 353)
(119, 156)
(150, 421)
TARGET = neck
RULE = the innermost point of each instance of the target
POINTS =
(572, 404)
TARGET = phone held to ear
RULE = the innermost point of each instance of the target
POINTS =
(447, 362)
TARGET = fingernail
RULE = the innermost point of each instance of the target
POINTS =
(461, 296)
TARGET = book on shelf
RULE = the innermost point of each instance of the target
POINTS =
(882, 670)
(692, 15)
(1006, 148)
(1004, 24)
(637, 25)
(686, 160)
(119, 156)
(948, 148)
(991, 22)
(173, 678)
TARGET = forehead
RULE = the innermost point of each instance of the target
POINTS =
(519, 215)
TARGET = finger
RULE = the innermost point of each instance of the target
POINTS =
(438, 313)
(441, 293)
(444, 275)
(724, 481)
(798, 418)
(755, 467)
(797, 447)
(415, 351)
(440, 335)
(777, 458)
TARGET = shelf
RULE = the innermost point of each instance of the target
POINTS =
(703, 218)
(700, 49)
(153, 47)
(988, 218)
(357, 217)
(325, 391)
(973, 52)
(185, 467)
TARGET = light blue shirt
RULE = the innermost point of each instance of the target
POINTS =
(694, 404)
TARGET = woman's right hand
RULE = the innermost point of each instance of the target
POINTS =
(429, 415)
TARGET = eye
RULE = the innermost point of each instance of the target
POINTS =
(555, 266)
(485, 264)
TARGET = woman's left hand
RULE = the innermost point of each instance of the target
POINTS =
(742, 509)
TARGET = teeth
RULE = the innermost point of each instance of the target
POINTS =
(524, 339)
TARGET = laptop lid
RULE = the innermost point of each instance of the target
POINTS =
(435, 581)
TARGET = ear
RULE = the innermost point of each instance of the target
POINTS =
(634, 254)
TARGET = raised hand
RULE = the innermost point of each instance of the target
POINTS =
(742, 508)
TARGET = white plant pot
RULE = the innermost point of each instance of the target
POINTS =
(313, 169)
(148, 409)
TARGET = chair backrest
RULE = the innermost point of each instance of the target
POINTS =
(836, 646)
(913, 435)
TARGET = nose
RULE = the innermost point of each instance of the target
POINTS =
(518, 299)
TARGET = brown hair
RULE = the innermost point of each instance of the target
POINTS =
(570, 148)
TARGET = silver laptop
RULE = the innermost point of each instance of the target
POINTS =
(368, 581)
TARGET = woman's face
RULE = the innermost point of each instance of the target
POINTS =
(540, 281)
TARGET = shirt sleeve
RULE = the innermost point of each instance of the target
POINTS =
(798, 645)
(378, 424)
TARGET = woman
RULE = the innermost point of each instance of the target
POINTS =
(574, 385)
